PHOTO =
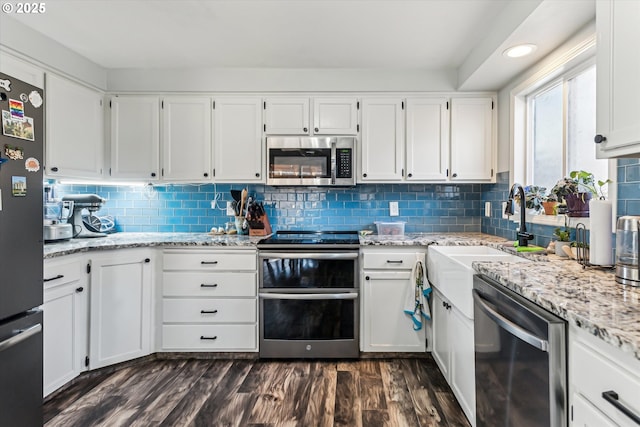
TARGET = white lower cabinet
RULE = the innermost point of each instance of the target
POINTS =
(453, 351)
(121, 301)
(66, 322)
(598, 371)
(386, 285)
(209, 300)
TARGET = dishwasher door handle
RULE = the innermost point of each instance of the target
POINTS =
(509, 326)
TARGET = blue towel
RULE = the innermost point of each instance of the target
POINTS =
(418, 293)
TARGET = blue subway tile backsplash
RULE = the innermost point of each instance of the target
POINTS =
(424, 207)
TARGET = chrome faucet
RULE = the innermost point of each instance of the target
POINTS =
(523, 236)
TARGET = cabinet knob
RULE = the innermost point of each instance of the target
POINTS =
(153, 174)
(316, 130)
(54, 169)
(147, 260)
(206, 175)
(409, 175)
(367, 278)
(257, 174)
(305, 130)
(453, 175)
(599, 138)
(364, 175)
(80, 289)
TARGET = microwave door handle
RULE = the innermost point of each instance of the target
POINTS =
(333, 161)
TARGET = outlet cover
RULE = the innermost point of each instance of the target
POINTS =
(503, 206)
(393, 209)
(487, 209)
(230, 211)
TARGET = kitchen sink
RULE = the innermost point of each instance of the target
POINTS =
(449, 271)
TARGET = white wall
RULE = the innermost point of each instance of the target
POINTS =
(542, 68)
(24, 43)
(278, 80)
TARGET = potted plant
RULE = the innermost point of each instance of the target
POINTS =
(533, 196)
(563, 234)
(550, 203)
(576, 190)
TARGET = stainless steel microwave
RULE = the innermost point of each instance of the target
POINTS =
(313, 161)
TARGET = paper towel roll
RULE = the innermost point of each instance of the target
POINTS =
(600, 234)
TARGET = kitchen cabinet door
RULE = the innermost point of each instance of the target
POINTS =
(427, 139)
(74, 128)
(121, 297)
(617, 83)
(473, 155)
(386, 327)
(441, 339)
(382, 153)
(238, 151)
(186, 139)
(65, 335)
(135, 138)
(286, 116)
(463, 373)
(335, 116)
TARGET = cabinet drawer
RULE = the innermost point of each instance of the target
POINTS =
(177, 284)
(594, 374)
(209, 310)
(61, 272)
(193, 337)
(390, 260)
(210, 261)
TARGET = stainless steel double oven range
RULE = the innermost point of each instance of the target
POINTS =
(309, 295)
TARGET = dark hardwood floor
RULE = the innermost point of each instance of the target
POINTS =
(366, 392)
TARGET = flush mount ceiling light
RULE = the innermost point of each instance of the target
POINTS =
(519, 50)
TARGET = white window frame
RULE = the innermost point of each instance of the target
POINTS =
(561, 70)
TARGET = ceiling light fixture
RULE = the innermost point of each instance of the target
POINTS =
(519, 50)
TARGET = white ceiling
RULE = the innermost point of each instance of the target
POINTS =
(462, 36)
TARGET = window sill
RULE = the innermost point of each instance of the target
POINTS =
(552, 220)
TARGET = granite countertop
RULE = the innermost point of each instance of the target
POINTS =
(136, 240)
(587, 298)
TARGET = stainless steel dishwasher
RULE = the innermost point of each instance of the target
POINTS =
(520, 357)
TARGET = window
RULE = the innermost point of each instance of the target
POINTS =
(561, 123)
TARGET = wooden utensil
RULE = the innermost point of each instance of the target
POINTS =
(243, 197)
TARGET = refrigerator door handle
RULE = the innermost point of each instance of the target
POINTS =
(22, 335)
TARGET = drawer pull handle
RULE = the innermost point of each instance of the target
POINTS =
(612, 397)
(208, 311)
(202, 337)
(59, 276)
(204, 285)
(208, 262)
(390, 261)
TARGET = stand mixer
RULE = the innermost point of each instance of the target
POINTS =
(90, 202)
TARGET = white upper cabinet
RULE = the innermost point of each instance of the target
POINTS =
(238, 152)
(473, 155)
(382, 154)
(186, 139)
(74, 129)
(286, 116)
(335, 116)
(135, 137)
(427, 139)
(617, 82)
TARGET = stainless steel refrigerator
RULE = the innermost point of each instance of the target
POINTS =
(21, 320)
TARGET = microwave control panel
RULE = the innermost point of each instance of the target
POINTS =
(343, 163)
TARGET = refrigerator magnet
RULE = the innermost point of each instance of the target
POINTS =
(32, 164)
(5, 84)
(18, 186)
(13, 152)
(35, 99)
(16, 108)
(24, 97)
(16, 128)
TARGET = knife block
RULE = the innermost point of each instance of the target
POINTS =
(259, 226)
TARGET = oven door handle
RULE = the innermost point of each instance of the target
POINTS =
(342, 295)
(509, 326)
(309, 255)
